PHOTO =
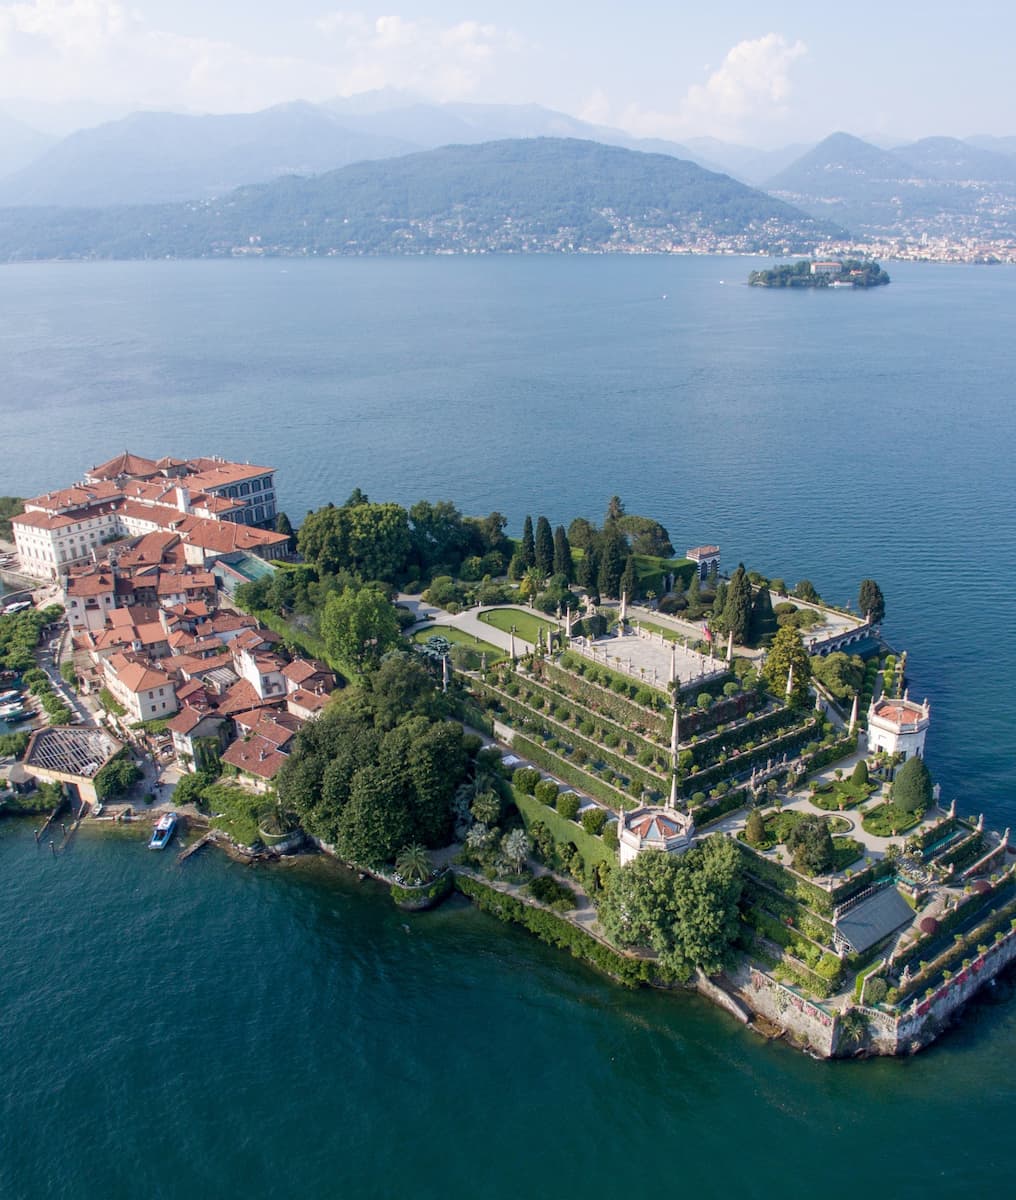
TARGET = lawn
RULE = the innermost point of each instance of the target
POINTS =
(838, 794)
(459, 637)
(527, 624)
(562, 830)
(886, 820)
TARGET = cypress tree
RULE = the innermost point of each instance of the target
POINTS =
(871, 601)
(589, 570)
(694, 592)
(527, 551)
(629, 580)
(543, 547)
(563, 564)
(763, 619)
(737, 610)
(615, 550)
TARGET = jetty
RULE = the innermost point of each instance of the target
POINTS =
(193, 849)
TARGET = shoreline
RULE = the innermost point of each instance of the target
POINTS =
(774, 1011)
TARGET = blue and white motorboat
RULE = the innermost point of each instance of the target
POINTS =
(163, 831)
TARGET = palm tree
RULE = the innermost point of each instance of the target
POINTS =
(413, 863)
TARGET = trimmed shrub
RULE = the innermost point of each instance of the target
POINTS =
(525, 780)
(593, 820)
(546, 792)
(567, 805)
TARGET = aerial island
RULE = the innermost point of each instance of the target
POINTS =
(821, 273)
(686, 778)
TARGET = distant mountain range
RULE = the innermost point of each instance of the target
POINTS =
(937, 185)
(940, 186)
(151, 158)
(539, 195)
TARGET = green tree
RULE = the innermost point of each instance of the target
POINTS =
(737, 610)
(646, 536)
(859, 775)
(811, 845)
(613, 552)
(527, 550)
(755, 829)
(359, 628)
(615, 509)
(543, 547)
(563, 564)
(439, 536)
(283, 525)
(413, 863)
(116, 778)
(581, 533)
(871, 602)
(589, 570)
(685, 908)
(787, 650)
(369, 540)
(376, 821)
(912, 786)
(805, 590)
(763, 620)
(629, 580)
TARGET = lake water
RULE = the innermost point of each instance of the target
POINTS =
(287, 1032)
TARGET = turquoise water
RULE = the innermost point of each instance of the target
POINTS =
(221, 1030)
(217, 1030)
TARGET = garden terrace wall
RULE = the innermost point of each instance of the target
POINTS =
(713, 810)
(732, 738)
(617, 707)
(785, 881)
(757, 894)
(863, 879)
(551, 696)
(557, 931)
(921, 1023)
(741, 764)
(570, 773)
(537, 722)
(807, 1023)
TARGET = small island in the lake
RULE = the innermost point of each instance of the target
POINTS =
(821, 273)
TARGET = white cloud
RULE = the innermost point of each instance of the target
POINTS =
(443, 61)
(751, 86)
(100, 50)
(754, 74)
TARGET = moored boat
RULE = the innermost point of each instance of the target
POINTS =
(163, 831)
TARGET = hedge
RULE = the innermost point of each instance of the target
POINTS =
(552, 696)
(571, 773)
(556, 931)
(742, 763)
(596, 753)
(733, 738)
(785, 881)
(620, 708)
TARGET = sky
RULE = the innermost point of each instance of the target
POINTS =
(766, 74)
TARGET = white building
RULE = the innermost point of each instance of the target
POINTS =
(653, 828)
(216, 507)
(146, 693)
(706, 557)
(898, 727)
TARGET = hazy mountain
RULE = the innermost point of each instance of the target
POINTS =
(540, 195)
(1001, 145)
(431, 125)
(746, 163)
(949, 158)
(923, 188)
(155, 157)
(20, 144)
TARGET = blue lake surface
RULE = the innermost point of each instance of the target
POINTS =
(228, 1031)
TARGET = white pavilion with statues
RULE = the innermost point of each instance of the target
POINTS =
(657, 826)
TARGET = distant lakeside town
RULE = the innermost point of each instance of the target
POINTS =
(687, 777)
